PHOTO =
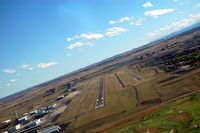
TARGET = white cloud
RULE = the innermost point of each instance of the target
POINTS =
(9, 70)
(69, 39)
(69, 54)
(91, 37)
(140, 21)
(7, 85)
(87, 37)
(24, 66)
(0, 81)
(30, 68)
(112, 22)
(115, 31)
(198, 5)
(176, 26)
(147, 4)
(182, 2)
(156, 13)
(121, 20)
(77, 44)
(45, 65)
(87, 40)
(12, 80)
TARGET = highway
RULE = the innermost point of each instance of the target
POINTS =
(133, 75)
(100, 100)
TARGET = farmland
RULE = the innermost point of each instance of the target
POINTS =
(129, 83)
(179, 116)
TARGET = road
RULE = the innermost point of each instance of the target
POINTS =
(133, 75)
(100, 100)
(140, 113)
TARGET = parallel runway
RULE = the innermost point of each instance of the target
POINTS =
(100, 98)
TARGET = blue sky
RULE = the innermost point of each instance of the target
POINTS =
(43, 39)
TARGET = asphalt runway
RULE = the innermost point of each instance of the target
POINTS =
(100, 100)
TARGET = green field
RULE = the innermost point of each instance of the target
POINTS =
(181, 116)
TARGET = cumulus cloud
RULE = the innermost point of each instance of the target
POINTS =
(69, 39)
(12, 80)
(91, 37)
(24, 66)
(112, 22)
(77, 44)
(69, 54)
(27, 66)
(121, 20)
(182, 2)
(45, 65)
(140, 21)
(176, 26)
(7, 85)
(87, 39)
(30, 68)
(147, 4)
(156, 13)
(114, 31)
(198, 5)
(9, 70)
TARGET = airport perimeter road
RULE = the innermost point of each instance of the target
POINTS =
(100, 100)
(133, 75)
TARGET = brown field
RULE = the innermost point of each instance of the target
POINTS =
(183, 84)
(126, 78)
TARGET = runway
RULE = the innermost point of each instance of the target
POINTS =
(100, 97)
